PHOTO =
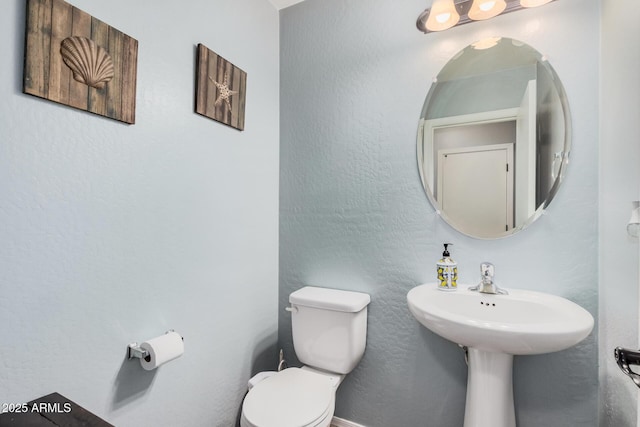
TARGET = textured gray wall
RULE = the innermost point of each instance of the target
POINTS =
(113, 233)
(353, 215)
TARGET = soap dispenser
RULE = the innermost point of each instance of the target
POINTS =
(447, 271)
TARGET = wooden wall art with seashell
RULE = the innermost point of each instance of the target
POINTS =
(220, 89)
(75, 59)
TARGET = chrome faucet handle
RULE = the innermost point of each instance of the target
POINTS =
(486, 285)
(487, 271)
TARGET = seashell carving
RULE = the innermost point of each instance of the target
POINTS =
(90, 64)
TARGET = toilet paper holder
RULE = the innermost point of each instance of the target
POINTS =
(134, 351)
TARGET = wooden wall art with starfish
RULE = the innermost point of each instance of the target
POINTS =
(220, 89)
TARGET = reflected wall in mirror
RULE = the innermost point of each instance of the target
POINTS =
(494, 138)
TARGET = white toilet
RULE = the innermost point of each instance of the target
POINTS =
(329, 336)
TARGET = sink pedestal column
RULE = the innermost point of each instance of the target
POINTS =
(489, 390)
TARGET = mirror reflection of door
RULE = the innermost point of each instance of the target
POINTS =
(475, 188)
(465, 134)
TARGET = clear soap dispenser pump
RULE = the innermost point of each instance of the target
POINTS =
(447, 271)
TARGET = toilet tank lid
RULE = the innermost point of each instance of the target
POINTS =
(330, 299)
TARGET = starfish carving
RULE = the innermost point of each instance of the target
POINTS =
(225, 92)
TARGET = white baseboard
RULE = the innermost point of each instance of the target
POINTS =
(339, 422)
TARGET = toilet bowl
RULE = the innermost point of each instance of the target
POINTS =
(329, 330)
(294, 397)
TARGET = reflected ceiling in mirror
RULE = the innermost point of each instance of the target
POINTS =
(494, 138)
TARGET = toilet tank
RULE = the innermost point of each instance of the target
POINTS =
(329, 327)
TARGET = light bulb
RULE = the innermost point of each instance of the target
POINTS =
(533, 3)
(487, 6)
(443, 15)
(485, 9)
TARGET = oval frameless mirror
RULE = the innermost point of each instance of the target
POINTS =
(494, 138)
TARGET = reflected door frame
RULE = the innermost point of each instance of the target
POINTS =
(430, 126)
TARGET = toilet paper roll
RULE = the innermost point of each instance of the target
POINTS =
(161, 350)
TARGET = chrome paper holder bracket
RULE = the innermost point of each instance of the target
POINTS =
(624, 358)
(135, 351)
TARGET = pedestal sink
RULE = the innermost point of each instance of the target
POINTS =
(494, 328)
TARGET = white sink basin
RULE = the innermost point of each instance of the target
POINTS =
(523, 322)
(493, 328)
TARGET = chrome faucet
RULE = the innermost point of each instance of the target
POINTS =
(487, 285)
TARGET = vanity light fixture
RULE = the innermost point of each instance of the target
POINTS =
(444, 14)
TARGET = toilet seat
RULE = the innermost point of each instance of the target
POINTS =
(291, 398)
